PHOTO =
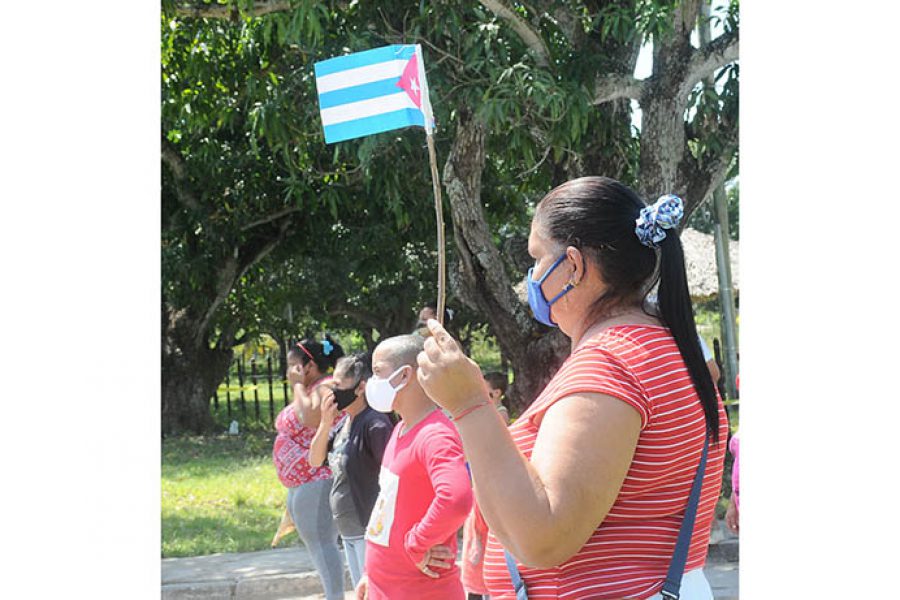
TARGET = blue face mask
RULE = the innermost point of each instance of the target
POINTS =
(540, 306)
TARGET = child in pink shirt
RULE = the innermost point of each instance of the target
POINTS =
(732, 514)
(425, 492)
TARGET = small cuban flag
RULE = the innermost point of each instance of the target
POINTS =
(373, 91)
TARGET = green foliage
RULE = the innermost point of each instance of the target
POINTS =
(351, 225)
(239, 106)
(713, 107)
(625, 21)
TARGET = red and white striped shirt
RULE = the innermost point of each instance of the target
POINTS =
(628, 554)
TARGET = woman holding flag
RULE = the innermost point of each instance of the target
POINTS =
(621, 454)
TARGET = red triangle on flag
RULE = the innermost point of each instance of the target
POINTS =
(409, 81)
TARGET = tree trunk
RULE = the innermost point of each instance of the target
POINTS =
(480, 281)
(281, 366)
(191, 373)
(662, 121)
(666, 163)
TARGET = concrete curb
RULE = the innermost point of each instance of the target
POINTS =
(266, 587)
(287, 574)
(201, 590)
(264, 575)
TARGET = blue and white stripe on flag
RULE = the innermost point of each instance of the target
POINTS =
(373, 91)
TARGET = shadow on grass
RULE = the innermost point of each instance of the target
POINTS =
(187, 449)
(184, 535)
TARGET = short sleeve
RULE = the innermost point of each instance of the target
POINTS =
(596, 370)
(707, 355)
(377, 433)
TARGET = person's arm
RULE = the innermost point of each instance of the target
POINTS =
(318, 448)
(710, 361)
(543, 510)
(362, 588)
(443, 459)
(713, 370)
(307, 406)
(732, 517)
(558, 501)
(302, 403)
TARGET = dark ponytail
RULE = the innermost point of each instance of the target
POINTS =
(677, 313)
(597, 215)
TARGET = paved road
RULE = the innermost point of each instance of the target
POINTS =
(287, 573)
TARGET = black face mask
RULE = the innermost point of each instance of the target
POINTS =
(344, 398)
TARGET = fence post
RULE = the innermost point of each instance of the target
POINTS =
(284, 384)
(255, 386)
(241, 383)
(271, 395)
(228, 390)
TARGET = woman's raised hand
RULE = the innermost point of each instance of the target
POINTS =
(329, 408)
(294, 375)
(447, 375)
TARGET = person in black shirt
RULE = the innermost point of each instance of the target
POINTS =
(353, 448)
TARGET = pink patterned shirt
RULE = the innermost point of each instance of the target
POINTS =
(291, 450)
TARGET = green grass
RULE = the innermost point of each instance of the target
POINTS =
(219, 494)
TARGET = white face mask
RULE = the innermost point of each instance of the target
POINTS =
(380, 393)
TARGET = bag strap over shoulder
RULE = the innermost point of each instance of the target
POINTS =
(518, 584)
(672, 585)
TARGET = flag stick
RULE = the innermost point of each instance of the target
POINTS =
(439, 212)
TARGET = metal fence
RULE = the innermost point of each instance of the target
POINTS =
(254, 390)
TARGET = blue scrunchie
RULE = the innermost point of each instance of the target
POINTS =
(653, 221)
(326, 347)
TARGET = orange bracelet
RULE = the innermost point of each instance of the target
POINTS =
(472, 408)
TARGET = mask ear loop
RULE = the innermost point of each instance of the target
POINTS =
(571, 284)
(394, 374)
(565, 289)
(550, 270)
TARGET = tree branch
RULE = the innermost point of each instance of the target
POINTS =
(227, 11)
(706, 60)
(272, 217)
(616, 86)
(532, 39)
(236, 266)
(173, 159)
(699, 178)
(364, 317)
(570, 26)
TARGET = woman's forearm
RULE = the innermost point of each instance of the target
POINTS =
(318, 448)
(303, 406)
(504, 479)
